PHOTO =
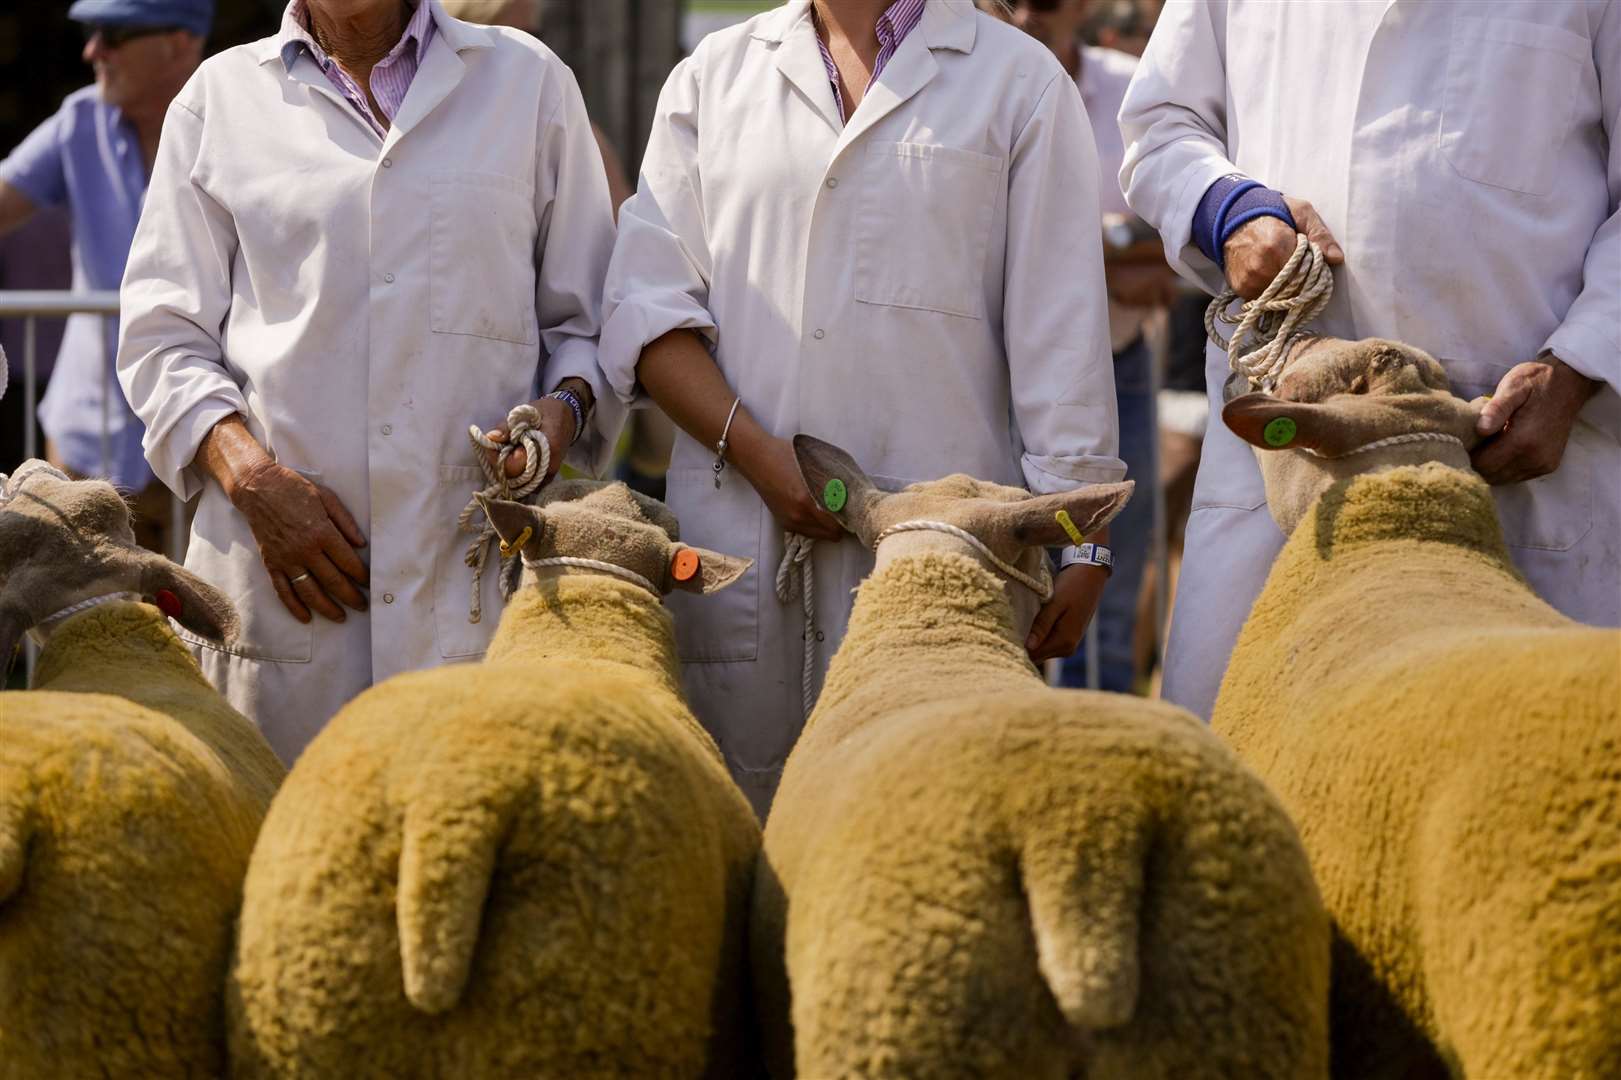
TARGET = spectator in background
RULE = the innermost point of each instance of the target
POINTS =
(1138, 282)
(95, 157)
(32, 256)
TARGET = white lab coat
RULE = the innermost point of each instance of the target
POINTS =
(361, 300)
(922, 286)
(1468, 159)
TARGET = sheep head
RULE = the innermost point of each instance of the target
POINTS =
(1013, 523)
(1336, 405)
(610, 523)
(65, 540)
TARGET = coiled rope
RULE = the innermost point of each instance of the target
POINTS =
(797, 574)
(1268, 326)
(523, 432)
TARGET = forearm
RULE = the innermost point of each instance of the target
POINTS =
(229, 453)
(677, 371)
(15, 208)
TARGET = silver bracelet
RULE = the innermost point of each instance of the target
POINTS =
(1086, 555)
(720, 447)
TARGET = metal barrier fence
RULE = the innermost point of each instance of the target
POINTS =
(30, 307)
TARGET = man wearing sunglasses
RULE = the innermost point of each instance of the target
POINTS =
(94, 156)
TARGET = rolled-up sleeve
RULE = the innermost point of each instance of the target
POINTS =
(575, 243)
(1174, 123)
(175, 299)
(1589, 339)
(659, 278)
(1055, 313)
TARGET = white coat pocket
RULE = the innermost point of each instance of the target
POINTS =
(725, 626)
(1510, 100)
(458, 638)
(482, 258)
(924, 227)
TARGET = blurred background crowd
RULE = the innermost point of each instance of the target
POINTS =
(621, 52)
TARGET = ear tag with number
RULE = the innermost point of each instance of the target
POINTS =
(685, 564)
(1067, 523)
(1279, 432)
(834, 495)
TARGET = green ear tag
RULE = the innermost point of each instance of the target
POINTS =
(833, 495)
(1280, 432)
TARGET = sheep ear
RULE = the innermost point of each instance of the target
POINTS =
(187, 599)
(1271, 423)
(713, 573)
(510, 519)
(838, 484)
(1034, 522)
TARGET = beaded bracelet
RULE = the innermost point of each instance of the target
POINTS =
(576, 406)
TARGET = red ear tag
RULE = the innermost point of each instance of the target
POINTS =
(168, 603)
(684, 567)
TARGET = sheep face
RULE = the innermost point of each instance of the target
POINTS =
(1343, 408)
(1014, 524)
(65, 540)
(608, 522)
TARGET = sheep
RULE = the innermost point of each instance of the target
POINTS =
(533, 866)
(1448, 743)
(130, 795)
(968, 873)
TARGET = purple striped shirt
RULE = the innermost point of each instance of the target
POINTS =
(390, 79)
(898, 20)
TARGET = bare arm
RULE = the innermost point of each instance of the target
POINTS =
(677, 371)
(15, 208)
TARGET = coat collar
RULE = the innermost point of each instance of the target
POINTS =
(460, 36)
(947, 24)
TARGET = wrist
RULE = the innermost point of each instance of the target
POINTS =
(1570, 381)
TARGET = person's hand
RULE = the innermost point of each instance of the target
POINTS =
(556, 424)
(1259, 249)
(307, 540)
(1527, 422)
(1144, 285)
(1062, 621)
(774, 473)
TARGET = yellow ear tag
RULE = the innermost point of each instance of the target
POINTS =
(509, 550)
(1068, 525)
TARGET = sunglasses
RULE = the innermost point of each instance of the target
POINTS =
(113, 37)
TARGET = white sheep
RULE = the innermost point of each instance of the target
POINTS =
(967, 873)
(533, 866)
(1449, 744)
(130, 795)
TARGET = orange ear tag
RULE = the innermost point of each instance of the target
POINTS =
(684, 565)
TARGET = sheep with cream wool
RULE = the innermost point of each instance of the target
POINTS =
(130, 796)
(1449, 744)
(967, 873)
(532, 866)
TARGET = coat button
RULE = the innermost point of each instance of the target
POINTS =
(389, 278)
(388, 598)
(819, 335)
(832, 181)
(388, 429)
(388, 163)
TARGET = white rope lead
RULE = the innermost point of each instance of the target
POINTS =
(1268, 326)
(1042, 587)
(578, 563)
(797, 573)
(523, 432)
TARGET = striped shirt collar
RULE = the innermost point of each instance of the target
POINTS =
(390, 78)
(897, 21)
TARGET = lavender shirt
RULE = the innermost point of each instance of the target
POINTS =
(390, 79)
(898, 20)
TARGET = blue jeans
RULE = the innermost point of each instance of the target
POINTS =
(1131, 534)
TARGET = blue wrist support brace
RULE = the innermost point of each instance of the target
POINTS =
(1227, 205)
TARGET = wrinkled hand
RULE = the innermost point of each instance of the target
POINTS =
(556, 424)
(775, 475)
(1062, 621)
(302, 527)
(1527, 422)
(1261, 246)
(1141, 284)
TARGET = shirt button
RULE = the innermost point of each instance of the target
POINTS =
(388, 163)
(832, 181)
(388, 598)
(819, 335)
(388, 429)
(389, 278)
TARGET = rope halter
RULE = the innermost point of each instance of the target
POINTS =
(523, 432)
(1042, 587)
(1392, 440)
(1268, 327)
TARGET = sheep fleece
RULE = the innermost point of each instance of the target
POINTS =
(1451, 748)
